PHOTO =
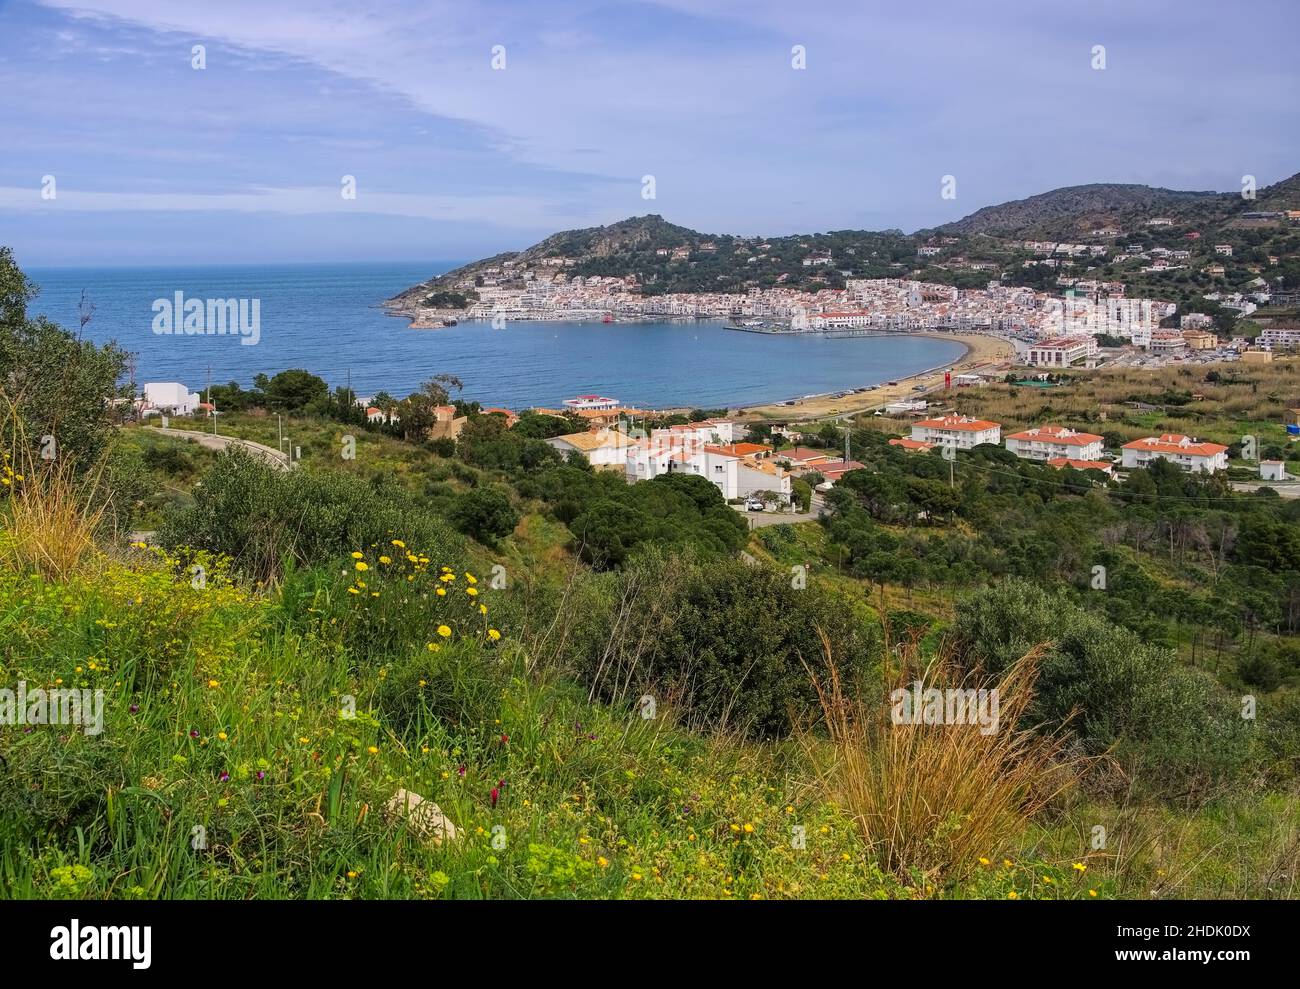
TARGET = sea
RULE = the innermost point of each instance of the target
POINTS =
(327, 318)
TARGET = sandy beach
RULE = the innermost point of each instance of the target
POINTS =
(983, 353)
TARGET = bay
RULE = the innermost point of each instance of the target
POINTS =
(327, 319)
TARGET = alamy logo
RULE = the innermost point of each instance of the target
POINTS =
(52, 707)
(917, 705)
(180, 316)
(77, 943)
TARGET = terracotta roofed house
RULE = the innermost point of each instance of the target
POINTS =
(960, 432)
(1189, 453)
(1048, 442)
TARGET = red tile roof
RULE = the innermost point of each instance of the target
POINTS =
(1056, 434)
(1176, 443)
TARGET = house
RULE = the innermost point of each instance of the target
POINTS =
(602, 448)
(1105, 466)
(1187, 452)
(833, 472)
(510, 417)
(803, 458)
(1200, 339)
(1061, 351)
(959, 432)
(1223, 249)
(591, 402)
(911, 446)
(1272, 470)
(168, 397)
(375, 414)
(446, 424)
(1053, 442)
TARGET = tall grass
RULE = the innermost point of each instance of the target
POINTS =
(934, 799)
(53, 511)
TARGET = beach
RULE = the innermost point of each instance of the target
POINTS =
(983, 353)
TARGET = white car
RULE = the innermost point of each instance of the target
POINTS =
(755, 506)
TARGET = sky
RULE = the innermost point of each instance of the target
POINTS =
(115, 148)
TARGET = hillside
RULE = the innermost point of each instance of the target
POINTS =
(656, 257)
(1075, 210)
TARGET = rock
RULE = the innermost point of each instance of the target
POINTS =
(423, 817)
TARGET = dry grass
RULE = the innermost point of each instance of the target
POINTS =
(933, 798)
(1249, 393)
(51, 512)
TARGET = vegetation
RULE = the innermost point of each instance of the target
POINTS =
(618, 691)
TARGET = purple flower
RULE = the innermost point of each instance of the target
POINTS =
(194, 733)
(261, 774)
(224, 777)
(134, 708)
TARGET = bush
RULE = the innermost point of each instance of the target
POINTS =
(485, 513)
(724, 641)
(1113, 688)
(261, 516)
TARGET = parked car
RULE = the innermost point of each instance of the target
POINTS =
(754, 506)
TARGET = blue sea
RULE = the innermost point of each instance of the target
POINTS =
(327, 318)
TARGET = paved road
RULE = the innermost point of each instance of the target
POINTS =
(759, 519)
(215, 441)
(1286, 489)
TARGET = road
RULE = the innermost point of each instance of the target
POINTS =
(1286, 489)
(215, 441)
(759, 519)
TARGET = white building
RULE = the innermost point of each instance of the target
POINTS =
(601, 447)
(1276, 337)
(1053, 442)
(591, 402)
(169, 397)
(1188, 453)
(959, 432)
(1272, 470)
(1061, 352)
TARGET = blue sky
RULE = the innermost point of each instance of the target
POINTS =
(157, 162)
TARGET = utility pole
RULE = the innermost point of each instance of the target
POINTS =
(212, 409)
(279, 433)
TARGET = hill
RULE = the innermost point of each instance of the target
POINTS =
(655, 257)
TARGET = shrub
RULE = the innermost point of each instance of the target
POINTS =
(485, 513)
(260, 516)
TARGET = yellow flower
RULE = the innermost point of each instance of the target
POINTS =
(602, 861)
(432, 647)
(373, 750)
(351, 874)
(353, 590)
(493, 634)
(214, 684)
(471, 578)
(221, 735)
(749, 828)
(442, 592)
(399, 544)
(356, 556)
(444, 631)
(1092, 892)
(472, 591)
(636, 877)
(1079, 867)
(385, 560)
(303, 739)
(983, 860)
(482, 609)
(361, 565)
(1006, 863)
(1013, 895)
